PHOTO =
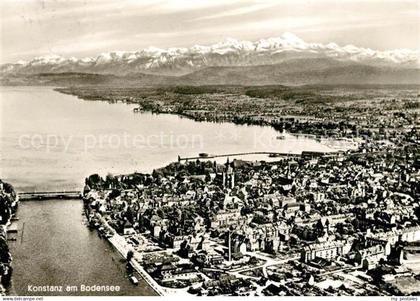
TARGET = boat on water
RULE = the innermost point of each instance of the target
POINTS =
(281, 137)
(134, 280)
(203, 155)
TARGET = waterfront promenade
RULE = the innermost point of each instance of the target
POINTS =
(122, 247)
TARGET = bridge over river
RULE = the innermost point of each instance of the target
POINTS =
(46, 195)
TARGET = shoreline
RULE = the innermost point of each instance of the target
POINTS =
(5, 231)
(119, 244)
(261, 123)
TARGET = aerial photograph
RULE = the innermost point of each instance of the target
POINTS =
(192, 148)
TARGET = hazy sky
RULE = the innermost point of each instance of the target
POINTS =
(85, 28)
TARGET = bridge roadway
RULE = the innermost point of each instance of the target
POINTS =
(44, 195)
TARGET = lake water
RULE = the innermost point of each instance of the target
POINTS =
(52, 141)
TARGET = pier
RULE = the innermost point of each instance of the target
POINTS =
(45, 195)
(276, 154)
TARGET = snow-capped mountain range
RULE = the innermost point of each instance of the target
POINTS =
(231, 52)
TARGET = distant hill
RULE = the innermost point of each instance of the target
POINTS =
(301, 72)
(57, 79)
(305, 71)
(83, 79)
